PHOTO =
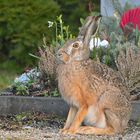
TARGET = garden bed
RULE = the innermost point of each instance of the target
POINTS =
(50, 105)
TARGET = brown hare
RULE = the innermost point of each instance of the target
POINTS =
(96, 94)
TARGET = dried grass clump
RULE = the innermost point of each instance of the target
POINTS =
(47, 66)
(128, 64)
(47, 63)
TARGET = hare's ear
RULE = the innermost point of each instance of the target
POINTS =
(88, 29)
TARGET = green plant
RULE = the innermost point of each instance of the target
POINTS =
(116, 38)
(73, 10)
(22, 116)
(123, 51)
(22, 25)
(137, 37)
(55, 93)
(47, 60)
(62, 32)
(21, 89)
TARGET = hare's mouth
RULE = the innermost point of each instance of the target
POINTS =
(63, 57)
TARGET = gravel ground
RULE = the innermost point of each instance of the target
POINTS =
(43, 127)
(49, 133)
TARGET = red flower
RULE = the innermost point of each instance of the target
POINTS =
(130, 19)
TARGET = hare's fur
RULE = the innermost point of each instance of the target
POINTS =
(100, 102)
(96, 94)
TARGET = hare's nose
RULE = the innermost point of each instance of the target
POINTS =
(59, 54)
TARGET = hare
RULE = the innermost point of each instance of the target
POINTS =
(97, 96)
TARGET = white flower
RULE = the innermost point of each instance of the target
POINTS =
(50, 24)
(96, 42)
(104, 43)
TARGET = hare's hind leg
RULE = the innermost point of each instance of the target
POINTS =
(117, 123)
(97, 131)
(116, 116)
(101, 127)
(117, 110)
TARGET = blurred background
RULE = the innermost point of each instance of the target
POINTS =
(23, 25)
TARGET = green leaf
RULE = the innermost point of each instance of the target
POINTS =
(34, 56)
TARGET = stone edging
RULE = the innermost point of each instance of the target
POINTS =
(17, 104)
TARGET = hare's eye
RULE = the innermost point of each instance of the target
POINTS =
(75, 45)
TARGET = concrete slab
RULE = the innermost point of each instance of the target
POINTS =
(17, 104)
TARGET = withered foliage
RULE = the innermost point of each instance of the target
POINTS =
(47, 66)
(47, 63)
(128, 64)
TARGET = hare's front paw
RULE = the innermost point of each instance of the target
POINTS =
(68, 131)
(61, 130)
